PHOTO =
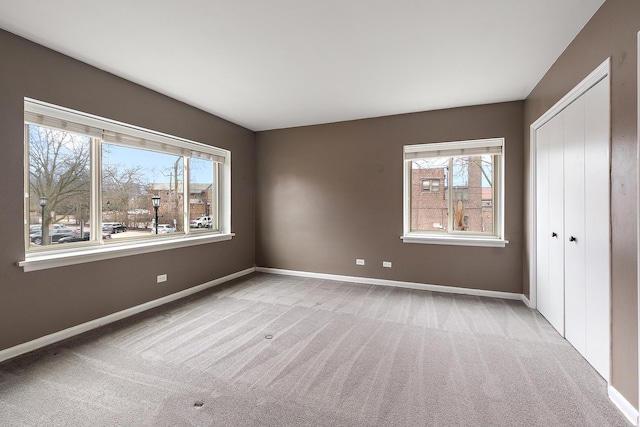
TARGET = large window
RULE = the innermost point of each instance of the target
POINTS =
(94, 183)
(454, 193)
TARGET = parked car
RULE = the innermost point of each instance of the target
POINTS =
(54, 235)
(37, 227)
(75, 238)
(200, 222)
(163, 229)
(85, 236)
(117, 227)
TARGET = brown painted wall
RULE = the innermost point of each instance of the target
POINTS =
(42, 302)
(329, 194)
(612, 32)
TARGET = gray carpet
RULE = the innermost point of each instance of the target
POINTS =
(270, 350)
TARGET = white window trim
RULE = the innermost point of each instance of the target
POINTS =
(438, 238)
(39, 260)
(491, 242)
(84, 254)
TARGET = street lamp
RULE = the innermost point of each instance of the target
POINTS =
(43, 204)
(156, 204)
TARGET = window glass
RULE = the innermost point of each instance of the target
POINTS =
(130, 178)
(472, 182)
(59, 199)
(428, 209)
(202, 195)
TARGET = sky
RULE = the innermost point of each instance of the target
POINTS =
(157, 167)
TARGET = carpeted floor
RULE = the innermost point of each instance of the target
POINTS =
(270, 350)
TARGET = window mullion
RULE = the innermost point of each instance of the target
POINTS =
(497, 194)
(215, 195)
(186, 191)
(96, 190)
(450, 212)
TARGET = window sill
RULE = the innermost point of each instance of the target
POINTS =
(490, 242)
(53, 259)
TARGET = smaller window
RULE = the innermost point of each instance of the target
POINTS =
(430, 185)
(470, 209)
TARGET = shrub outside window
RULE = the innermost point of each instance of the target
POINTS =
(454, 193)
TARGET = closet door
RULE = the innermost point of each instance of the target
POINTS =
(550, 225)
(587, 222)
(597, 220)
(574, 221)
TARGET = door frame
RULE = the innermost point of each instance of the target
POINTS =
(637, 419)
(602, 71)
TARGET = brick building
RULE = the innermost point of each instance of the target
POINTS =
(472, 203)
(200, 201)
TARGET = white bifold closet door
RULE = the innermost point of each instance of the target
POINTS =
(597, 316)
(574, 224)
(550, 216)
(573, 238)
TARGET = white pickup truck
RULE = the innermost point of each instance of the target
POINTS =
(200, 222)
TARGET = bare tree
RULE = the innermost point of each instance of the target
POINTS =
(59, 164)
(122, 188)
(462, 165)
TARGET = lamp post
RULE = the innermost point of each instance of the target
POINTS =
(43, 204)
(156, 204)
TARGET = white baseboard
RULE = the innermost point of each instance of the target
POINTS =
(627, 409)
(84, 327)
(399, 284)
(526, 301)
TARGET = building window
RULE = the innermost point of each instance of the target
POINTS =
(90, 181)
(430, 185)
(469, 211)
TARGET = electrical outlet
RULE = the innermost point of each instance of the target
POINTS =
(162, 278)
(386, 264)
(360, 261)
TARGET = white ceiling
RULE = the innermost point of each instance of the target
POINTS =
(283, 63)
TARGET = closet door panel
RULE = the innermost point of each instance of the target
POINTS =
(556, 223)
(597, 277)
(550, 222)
(543, 230)
(574, 221)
